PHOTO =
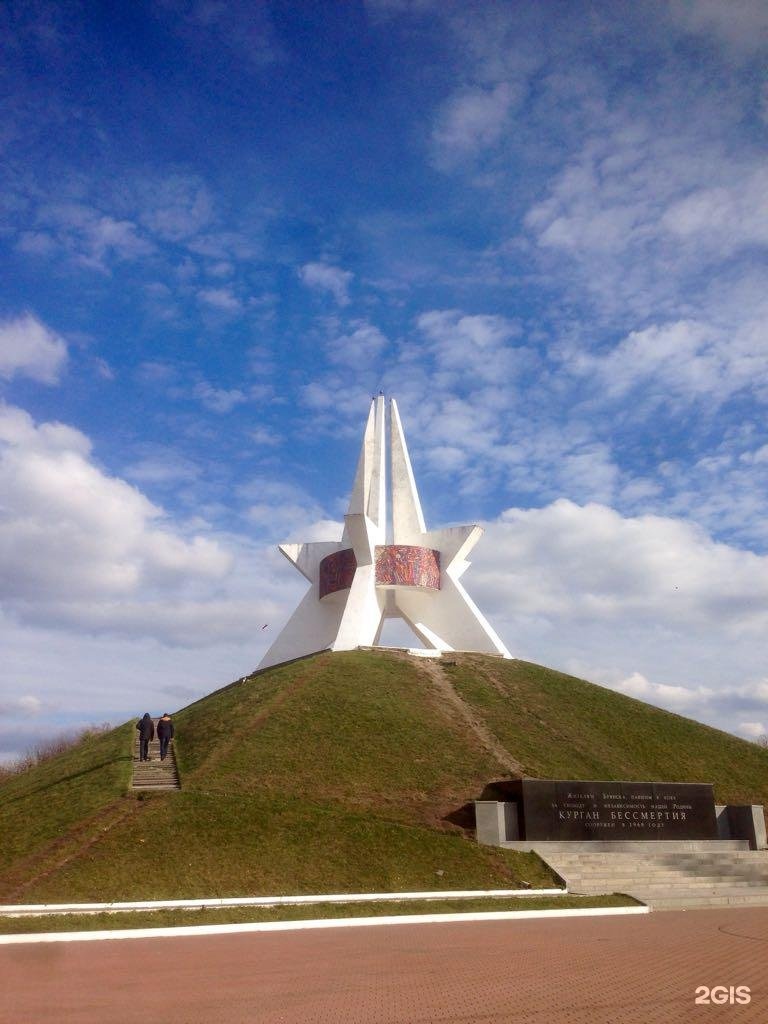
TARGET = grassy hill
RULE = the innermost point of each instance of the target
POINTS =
(343, 772)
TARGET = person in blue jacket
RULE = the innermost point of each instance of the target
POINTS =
(146, 735)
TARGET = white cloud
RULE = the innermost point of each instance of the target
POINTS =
(460, 423)
(156, 373)
(323, 529)
(466, 386)
(588, 469)
(26, 705)
(360, 347)
(592, 563)
(607, 193)
(261, 362)
(93, 238)
(103, 369)
(683, 358)
(223, 299)
(110, 237)
(102, 223)
(37, 243)
(646, 205)
(264, 437)
(660, 228)
(283, 511)
(30, 705)
(220, 269)
(224, 245)
(175, 208)
(159, 465)
(648, 605)
(677, 697)
(482, 345)
(219, 400)
(204, 620)
(89, 676)
(238, 32)
(447, 458)
(30, 349)
(326, 278)
(753, 729)
(470, 121)
(318, 395)
(84, 549)
(741, 24)
(725, 217)
(709, 703)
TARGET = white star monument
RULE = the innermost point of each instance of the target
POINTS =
(374, 573)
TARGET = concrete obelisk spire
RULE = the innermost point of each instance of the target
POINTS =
(363, 579)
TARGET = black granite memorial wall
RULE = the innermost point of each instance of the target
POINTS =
(557, 810)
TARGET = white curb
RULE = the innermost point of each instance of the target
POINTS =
(40, 909)
(342, 922)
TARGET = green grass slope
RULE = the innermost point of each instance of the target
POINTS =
(54, 810)
(338, 773)
(560, 727)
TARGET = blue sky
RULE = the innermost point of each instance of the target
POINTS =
(542, 227)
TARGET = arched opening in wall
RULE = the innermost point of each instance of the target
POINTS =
(397, 633)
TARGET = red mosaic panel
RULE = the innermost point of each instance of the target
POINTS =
(405, 565)
(337, 571)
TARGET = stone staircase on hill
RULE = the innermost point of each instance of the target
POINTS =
(155, 774)
(704, 874)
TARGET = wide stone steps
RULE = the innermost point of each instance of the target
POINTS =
(669, 874)
(733, 856)
(675, 860)
(155, 774)
(661, 881)
(639, 848)
(595, 882)
(649, 885)
(668, 880)
(689, 901)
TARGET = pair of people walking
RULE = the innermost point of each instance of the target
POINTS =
(146, 729)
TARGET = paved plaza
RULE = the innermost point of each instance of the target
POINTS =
(596, 970)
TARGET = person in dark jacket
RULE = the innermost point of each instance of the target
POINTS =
(146, 734)
(164, 734)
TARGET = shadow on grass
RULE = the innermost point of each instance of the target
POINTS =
(464, 816)
(69, 778)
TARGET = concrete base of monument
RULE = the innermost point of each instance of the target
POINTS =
(415, 652)
(425, 652)
(545, 849)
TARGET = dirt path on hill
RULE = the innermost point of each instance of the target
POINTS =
(271, 705)
(76, 841)
(441, 683)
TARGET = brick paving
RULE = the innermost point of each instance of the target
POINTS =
(632, 970)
